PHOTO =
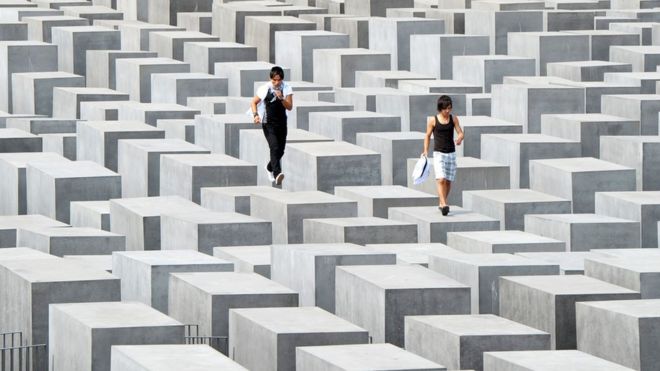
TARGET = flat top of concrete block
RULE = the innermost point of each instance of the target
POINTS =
(637, 264)
(625, 253)
(359, 222)
(645, 49)
(183, 34)
(633, 97)
(92, 9)
(47, 75)
(485, 121)
(598, 32)
(414, 253)
(476, 325)
(552, 360)
(635, 308)
(156, 107)
(23, 221)
(394, 75)
(87, 91)
(155, 206)
(542, 34)
(55, 270)
(495, 260)
(350, 114)
(244, 66)
(20, 159)
(19, 253)
(9, 44)
(119, 126)
(349, 51)
(100, 262)
(433, 215)
(382, 192)
(12, 133)
(297, 320)
(332, 149)
(439, 83)
(69, 232)
(185, 76)
(372, 91)
(587, 117)
(396, 277)
(492, 57)
(568, 261)
(46, 18)
(72, 169)
(328, 249)
(255, 255)
(82, 29)
(405, 135)
(651, 75)
(582, 164)
(115, 315)
(231, 283)
(279, 19)
(204, 217)
(529, 138)
(177, 357)
(240, 190)
(503, 237)
(639, 197)
(219, 45)
(315, 103)
(589, 63)
(581, 218)
(568, 285)
(156, 61)
(633, 138)
(98, 206)
(170, 257)
(146, 25)
(473, 162)
(163, 145)
(373, 357)
(516, 196)
(228, 118)
(207, 160)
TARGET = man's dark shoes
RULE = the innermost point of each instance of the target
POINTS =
(279, 178)
(445, 210)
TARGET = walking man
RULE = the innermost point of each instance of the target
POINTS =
(442, 126)
(269, 108)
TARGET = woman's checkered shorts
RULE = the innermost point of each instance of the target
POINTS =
(444, 165)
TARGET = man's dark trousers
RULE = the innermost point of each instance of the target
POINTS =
(276, 137)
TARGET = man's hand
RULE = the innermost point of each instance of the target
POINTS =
(257, 120)
(278, 94)
(459, 141)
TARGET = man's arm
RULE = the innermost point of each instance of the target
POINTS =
(430, 123)
(459, 131)
(253, 105)
(287, 102)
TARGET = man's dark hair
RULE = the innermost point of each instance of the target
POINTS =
(277, 71)
(444, 102)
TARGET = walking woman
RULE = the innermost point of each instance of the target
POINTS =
(442, 126)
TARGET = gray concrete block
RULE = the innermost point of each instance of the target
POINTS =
(13, 199)
(481, 272)
(232, 199)
(9, 226)
(550, 302)
(64, 144)
(15, 140)
(511, 206)
(134, 75)
(98, 141)
(232, 26)
(586, 70)
(279, 331)
(186, 175)
(206, 298)
(246, 259)
(547, 47)
(221, 133)
(34, 91)
(299, 116)
(96, 327)
(178, 87)
(135, 35)
(497, 24)
(295, 49)
(166, 11)
(578, 179)
(642, 207)
(357, 29)
(321, 166)
(101, 66)
(66, 101)
(345, 125)
(634, 273)
(99, 262)
(90, 214)
(368, 356)
(243, 75)
(53, 185)
(168, 358)
(434, 55)
(287, 211)
(395, 149)
(378, 298)
(145, 275)
(203, 55)
(71, 241)
(646, 80)
(459, 341)
(517, 150)
(432, 226)
(31, 283)
(498, 242)
(150, 113)
(197, 21)
(545, 360)
(589, 129)
(203, 230)
(139, 219)
(260, 32)
(139, 163)
(74, 41)
(636, 319)
(486, 70)
(642, 58)
(40, 27)
(374, 8)
(100, 111)
(569, 262)
(474, 126)
(170, 44)
(375, 201)
(337, 67)
(637, 152)
(93, 13)
(358, 230)
(309, 269)
(42, 126)
(584, 232)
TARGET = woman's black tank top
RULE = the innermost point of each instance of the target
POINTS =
(443, 136)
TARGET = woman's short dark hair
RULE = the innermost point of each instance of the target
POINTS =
(444, 102)
(277, 71)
